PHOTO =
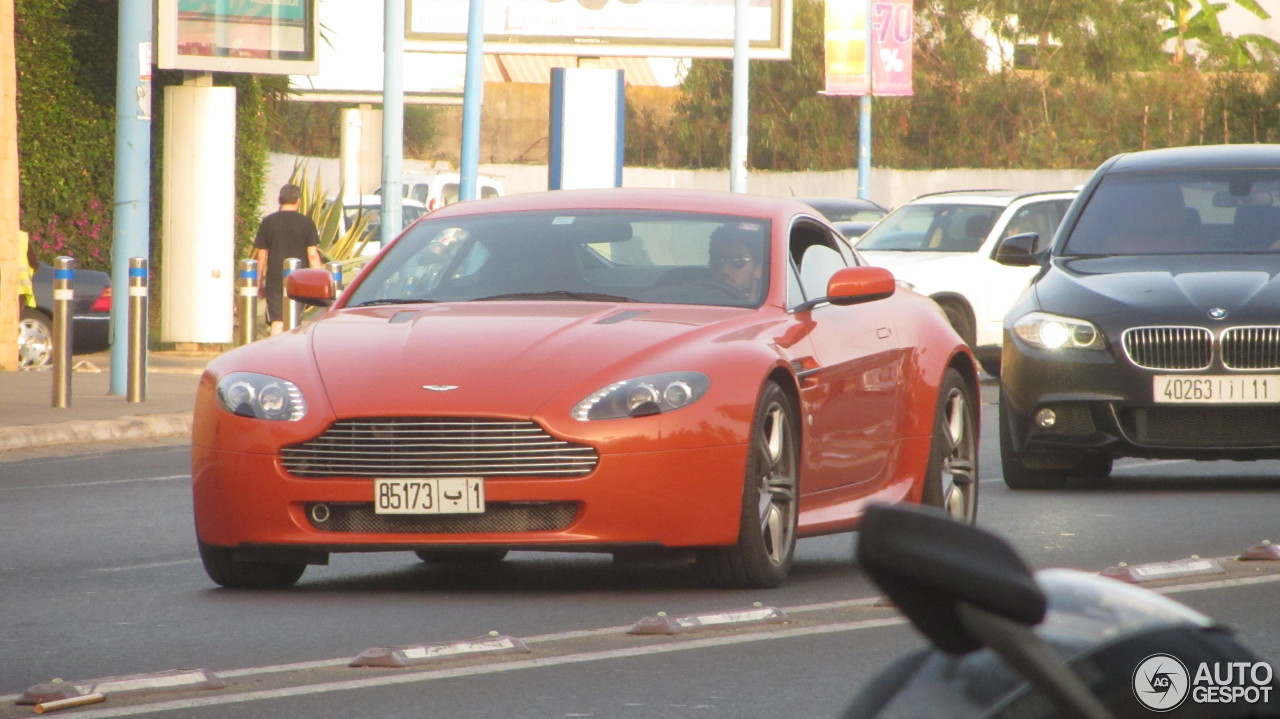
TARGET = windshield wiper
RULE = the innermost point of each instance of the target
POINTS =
(558, 295)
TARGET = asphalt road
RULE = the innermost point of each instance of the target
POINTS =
(99, 578)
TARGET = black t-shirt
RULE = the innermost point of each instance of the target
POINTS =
(284, 235)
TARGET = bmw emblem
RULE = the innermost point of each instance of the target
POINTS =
(1217, 313)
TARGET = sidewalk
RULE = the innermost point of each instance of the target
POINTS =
(28, 418)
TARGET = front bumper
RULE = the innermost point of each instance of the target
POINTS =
(1104, 405)
(678, 498)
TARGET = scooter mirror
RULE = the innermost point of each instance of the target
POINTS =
(928, 564)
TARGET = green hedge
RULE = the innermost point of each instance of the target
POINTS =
(66, 61)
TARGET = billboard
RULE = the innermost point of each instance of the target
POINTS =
(613, 28)
(892, 36)
(271, 37)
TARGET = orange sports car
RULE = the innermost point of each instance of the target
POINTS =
(614, 370)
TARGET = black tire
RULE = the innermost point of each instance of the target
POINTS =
(951, 481)
(462, 555)
(223, 568)
(35, 338)
(766, 544)
(1017, 473)
(960, 321)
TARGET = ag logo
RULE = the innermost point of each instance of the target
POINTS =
(1161, 682)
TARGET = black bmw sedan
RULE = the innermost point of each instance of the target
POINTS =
(1153, 327)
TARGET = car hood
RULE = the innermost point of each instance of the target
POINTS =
(499, 357)
(916, 263)
(1161, 289)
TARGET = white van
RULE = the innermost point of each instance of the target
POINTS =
(439, 188)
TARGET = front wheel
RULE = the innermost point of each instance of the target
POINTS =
(221, 565)
(762, 556)
(951, 481)
(35, 338)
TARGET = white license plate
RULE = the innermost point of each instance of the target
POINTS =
(461, 495)
(1216, 389)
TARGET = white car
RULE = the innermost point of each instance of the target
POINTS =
(436, 189)
(353, 208)
(942, 245)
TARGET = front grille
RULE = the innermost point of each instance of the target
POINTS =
(437, 447)
(1203, 427)
(498, 517)
(1169, 348)
(1251, 348)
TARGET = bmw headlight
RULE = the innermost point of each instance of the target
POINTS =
(643, 396)
(250, 394)
(1054, 332)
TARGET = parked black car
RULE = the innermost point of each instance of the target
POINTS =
(90, 316)
(851, 215)
(1153, 327)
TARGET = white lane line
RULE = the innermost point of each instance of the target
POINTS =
(149, 565)
(457, 672)
(129, 480)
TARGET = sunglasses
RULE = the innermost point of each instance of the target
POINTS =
(736, 263)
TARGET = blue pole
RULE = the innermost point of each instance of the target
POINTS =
(864, 115)
(131, 221)
(472, 96)
(392, 118)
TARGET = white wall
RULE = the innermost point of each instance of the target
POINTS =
(888, 187)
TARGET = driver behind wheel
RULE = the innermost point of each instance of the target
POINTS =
(734, 257)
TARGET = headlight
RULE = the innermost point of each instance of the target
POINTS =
(1052, 332)
(643, 396)
(250, 394)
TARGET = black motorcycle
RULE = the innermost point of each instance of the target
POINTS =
(1013, 644)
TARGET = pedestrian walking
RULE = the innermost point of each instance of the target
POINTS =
(283, 235)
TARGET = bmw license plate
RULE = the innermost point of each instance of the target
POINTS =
(462, 495)
(1216, 389)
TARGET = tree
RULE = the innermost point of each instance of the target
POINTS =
(1198, 20)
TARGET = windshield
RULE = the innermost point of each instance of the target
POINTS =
(925, 227)
(598, 255)
(1180, 212)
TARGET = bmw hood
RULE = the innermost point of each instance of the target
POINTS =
(1164, 289)
(496, 357)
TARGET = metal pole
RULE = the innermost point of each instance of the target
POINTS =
(291, 309)
(392, 119)
(864, 112)
(138, 329)
(739, 133)
(335, 269)
(472, 97)
(131, 221)
(247, 300)
(63, 293)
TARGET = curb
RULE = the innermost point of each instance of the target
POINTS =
(78, 431)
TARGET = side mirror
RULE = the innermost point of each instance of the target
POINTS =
(311, 286)
(1019, 251)
(929, 564)
(854, 285)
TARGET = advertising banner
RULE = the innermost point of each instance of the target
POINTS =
(892, 35)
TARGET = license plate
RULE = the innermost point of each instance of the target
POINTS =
(461, 495)
(1216, 389)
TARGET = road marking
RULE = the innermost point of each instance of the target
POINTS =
(459, 672)
(149, 565)
(124, 481)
